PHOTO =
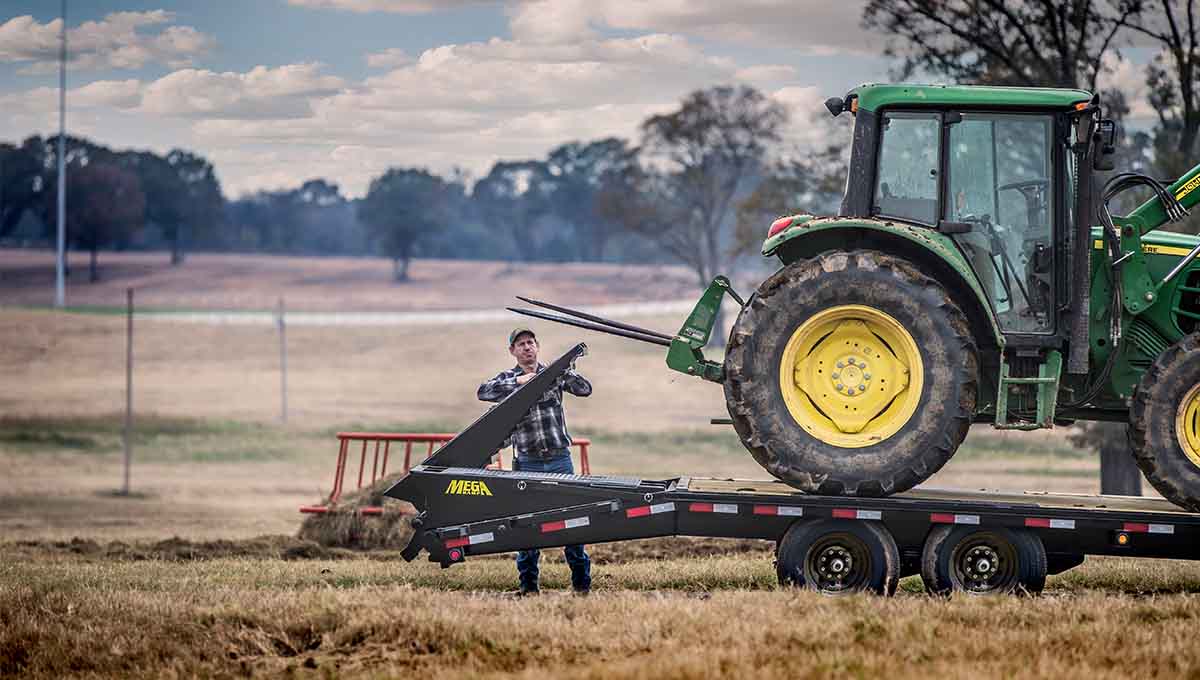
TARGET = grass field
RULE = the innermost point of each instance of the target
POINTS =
(198, 571)
(701, 617)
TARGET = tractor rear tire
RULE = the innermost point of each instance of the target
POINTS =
(860, 297)
(1164, 423)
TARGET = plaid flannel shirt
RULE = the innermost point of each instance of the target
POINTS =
(544, 428)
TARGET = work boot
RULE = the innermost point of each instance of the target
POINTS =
(582, 592)
(525, 591)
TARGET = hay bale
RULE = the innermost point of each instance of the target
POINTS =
(344, 527)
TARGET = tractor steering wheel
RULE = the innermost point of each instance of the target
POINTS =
(1035, 192)
(1025, 184)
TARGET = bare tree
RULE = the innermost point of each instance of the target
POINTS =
(1172, 26)
(810, 183)
(1047, 43)
(695, 162)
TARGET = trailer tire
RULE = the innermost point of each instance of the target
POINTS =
(911, 415)
(1164, 423)
(979, 561)
(839, 557)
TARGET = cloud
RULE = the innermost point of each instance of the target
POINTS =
(116, 42)
(393, 6)
(392, 57)
(809, 26)
(117, 94)
(458, 105)
(766, 73)
(468, 105)
(262, 92)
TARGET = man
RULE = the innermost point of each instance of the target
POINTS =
(541, 444)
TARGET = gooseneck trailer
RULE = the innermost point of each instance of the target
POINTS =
(977, 542)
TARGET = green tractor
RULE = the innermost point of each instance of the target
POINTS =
(973, 274)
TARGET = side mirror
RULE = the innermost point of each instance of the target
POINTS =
(835, 106)
(1105, 140)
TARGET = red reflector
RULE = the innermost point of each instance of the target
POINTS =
(458, 542)
(845, 513)
(554, 526)
(766, 510)
(701, 507)
(941, 518)
(1041, 522)
(1136, 527)
(456, 554)
(779, 225)
(638, 512)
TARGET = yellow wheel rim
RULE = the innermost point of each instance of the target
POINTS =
(1187, 425)
(851, 376)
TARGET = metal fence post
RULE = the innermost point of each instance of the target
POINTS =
(128, 432)
(279, 318)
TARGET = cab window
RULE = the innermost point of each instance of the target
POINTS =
(906, 185)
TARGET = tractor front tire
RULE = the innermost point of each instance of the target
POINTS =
(851, 374)
(1164, 423)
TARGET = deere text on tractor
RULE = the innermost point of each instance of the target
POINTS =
(973, 274)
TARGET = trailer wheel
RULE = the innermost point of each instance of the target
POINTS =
(1164, 423)
(838, 557)
(851, 374)
(982, 561)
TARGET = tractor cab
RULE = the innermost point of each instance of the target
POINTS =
(989, 168)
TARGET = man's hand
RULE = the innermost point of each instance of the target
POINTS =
(525, 377)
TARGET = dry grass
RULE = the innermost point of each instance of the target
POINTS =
(344, 527)
(197, 573)
(696, 618)
(231, 281)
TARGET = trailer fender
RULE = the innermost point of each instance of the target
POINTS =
(934, 252)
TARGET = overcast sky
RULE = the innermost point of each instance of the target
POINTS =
(275, 92)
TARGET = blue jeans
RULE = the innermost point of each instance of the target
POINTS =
(577, 557)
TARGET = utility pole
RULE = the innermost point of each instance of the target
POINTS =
(59, 282)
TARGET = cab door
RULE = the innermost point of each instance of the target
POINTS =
(1001, 181)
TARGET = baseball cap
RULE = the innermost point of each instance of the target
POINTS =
(512, 337)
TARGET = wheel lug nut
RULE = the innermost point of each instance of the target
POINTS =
(834, 375)
(850, 361)
(840, 364)
(863, 366)
(866, 376)
(850, 392)
(862, 388)
(840, 387)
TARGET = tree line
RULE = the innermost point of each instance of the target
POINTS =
(676, 194)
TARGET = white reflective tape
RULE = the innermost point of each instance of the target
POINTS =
(728, 508)
(576, 522)
(662, 507)
(482, 538)
(789, 510)
(869, 514)
(966, 519)
(1062, 524)
(1162, 528)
